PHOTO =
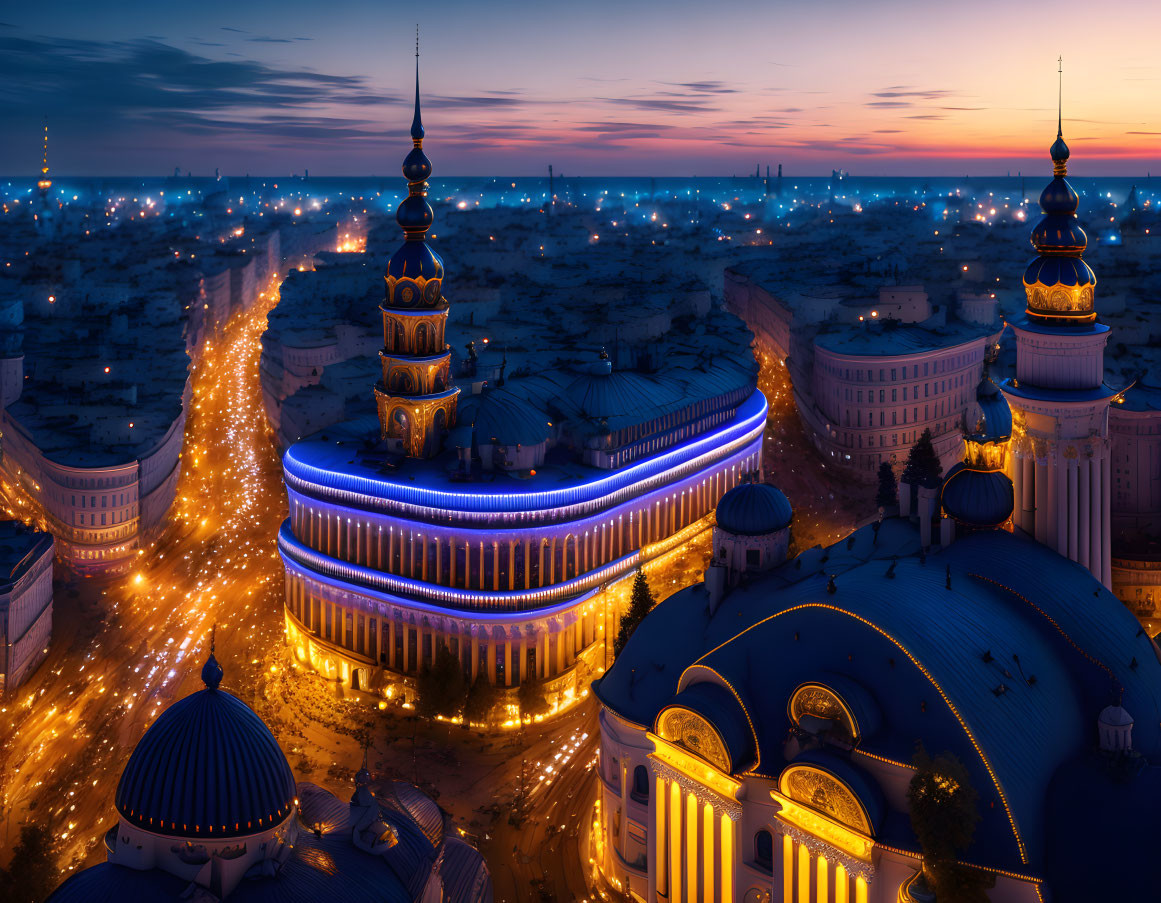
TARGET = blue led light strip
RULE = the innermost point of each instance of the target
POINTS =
(354, 576)
(421, 503)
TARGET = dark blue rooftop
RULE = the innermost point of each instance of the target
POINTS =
(208, 766)
(1008, 669)
(754, 509)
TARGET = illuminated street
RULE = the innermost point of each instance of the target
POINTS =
(123, 650)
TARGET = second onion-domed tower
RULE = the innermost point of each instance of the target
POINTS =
(1059, 401)
(415, 397)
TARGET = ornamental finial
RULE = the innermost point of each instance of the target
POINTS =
(417, 120)
(211, 670)
(1059, 149)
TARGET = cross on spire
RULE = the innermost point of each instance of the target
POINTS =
(1059, 95)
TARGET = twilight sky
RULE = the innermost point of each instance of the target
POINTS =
(618, 87)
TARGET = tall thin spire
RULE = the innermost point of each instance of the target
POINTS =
(45, 182)
(417, 120)
(1059, 150)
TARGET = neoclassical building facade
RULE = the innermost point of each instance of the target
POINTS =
(491, 522)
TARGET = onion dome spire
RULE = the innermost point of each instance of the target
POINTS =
(1058, 283)
(415, 273)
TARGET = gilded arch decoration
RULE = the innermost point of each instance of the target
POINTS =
(823, 792)
(692, 732)
(821, 702)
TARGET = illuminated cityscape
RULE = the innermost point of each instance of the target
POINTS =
(680, 483)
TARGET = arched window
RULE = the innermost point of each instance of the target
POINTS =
(640, 790)
(764, 850)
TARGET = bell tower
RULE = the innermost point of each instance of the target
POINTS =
(415, 398)
(1059, 401)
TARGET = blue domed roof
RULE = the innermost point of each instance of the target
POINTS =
(978, 498)
(1058, 197)
(1059, 233)
(207, 767)
(753, 509)
(501, 418)
(1067, 271)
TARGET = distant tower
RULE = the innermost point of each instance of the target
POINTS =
(1060, 404)
(416, 401)
(551, 190)
(45, 224)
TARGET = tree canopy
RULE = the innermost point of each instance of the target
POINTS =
(441, 687)
(480, 700)
(531, 698)
(888, 493)
(640, 604)
(31, 875)
(944, 810)
(923, 467)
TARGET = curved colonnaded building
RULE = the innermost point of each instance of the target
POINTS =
(490, 522)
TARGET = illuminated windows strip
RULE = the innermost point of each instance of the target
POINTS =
(408, 591)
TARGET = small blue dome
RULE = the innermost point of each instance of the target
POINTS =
(414, 214)
(416, 166)
(1053, 270)
(207, 767)
(1059, 197)
(414, 260)
(977, 498)
(499, 417)
(753, 509)
(1059, 233)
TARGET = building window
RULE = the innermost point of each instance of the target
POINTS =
(640, 791)
(764, 851)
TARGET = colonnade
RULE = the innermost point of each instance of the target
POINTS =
(810, 876)
(1062, 498)
(404, 641)
(694, 843)
(508, 560)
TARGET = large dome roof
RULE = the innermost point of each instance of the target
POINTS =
(753, 509)
(207, 767)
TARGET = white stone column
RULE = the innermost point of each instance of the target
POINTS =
(1041, 501)
(1106, 574)
(1059, 501)
(1096, 529)
(1028, 485)
(1084, 513)
(658, 874)
(1073, 507)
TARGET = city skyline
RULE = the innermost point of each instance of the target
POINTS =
(896, 89)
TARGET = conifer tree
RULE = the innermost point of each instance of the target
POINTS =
(888, 494)
(923, 467)
(640, 604)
